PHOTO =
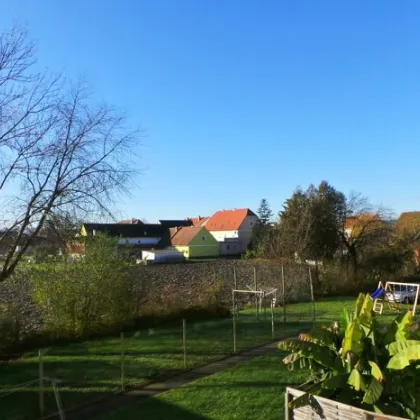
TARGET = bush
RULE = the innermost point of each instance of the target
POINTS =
(9, 331)
(360, 362)
(89, 296)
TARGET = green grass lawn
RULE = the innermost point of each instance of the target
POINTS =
(92, 369)
(252, 390)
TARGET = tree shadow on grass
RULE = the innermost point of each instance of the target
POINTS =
(155, 408)
(152, 408)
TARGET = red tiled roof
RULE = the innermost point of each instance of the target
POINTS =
(360, 220)
(198, 221)
(184, 235)
(130, 222)
(228, 219)
(408, 221)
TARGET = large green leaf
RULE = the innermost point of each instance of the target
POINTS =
(344, 319)
(403, 358)
(400, 328)
(291, 358)
(359, 303)
(367, 307)
(366, 314)
(322, 335)
(285, 344)
(339, 366)
(376, 371)
(353, 339)
(337, 381)
(321, 354)
(373, 392)
(356, 380)
(401, 345)
(404, 327)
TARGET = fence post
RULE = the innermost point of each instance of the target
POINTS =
(312, 295)
(234, 321)
(235, 287)
(41, 382)
(184, 341)
(122, 361)
(283, 293)
(272, 319)
(255, 288)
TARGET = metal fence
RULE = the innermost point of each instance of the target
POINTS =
(66, 376)
(276, 302)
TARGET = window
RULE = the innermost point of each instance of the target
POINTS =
(251, 223)
(203, 238)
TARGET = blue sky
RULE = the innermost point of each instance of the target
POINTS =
(242, 99)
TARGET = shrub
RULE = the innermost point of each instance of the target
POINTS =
(361, 363)
(9, 331)
(88, 296)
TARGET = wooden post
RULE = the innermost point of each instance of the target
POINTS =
(288, 412)
(234, 321)
(122, 361)
(312, 295)
(255, 288)
(415, 301)
(235, 286)
(41, 382)
(184, 340)
(265, 308)
(272, 319)
(283, 294)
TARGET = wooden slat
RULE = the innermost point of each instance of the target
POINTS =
(331, 410)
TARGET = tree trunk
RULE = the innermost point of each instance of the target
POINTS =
(354, 262)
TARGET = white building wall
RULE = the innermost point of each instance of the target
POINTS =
(245, 232)
(222, 235)
(236, 241)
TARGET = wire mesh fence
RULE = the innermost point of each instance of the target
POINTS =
(86, 371)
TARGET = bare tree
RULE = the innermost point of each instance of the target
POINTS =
(362, 226)
(59, 153)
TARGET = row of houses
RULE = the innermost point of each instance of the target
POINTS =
(225, 233)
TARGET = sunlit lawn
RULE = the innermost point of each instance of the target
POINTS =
(92, 369)
(249, 391)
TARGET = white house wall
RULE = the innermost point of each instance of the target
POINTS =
(236, 241)
(245, 232)
(222, 235)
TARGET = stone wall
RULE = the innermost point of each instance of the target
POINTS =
(166, 287)
(198, 283)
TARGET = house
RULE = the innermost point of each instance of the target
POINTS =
(232, 229)
(194, 242)
(198, 221)
(175, 223)
(143, 235)
(130, 222)
(409, 224)
(356, 224)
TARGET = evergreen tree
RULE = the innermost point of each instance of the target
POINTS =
(264, 212)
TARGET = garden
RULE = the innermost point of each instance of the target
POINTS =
(365, 360)
(92, 369)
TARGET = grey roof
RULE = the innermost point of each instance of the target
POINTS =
(175, 223)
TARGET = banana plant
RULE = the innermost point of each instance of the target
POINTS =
(358, 362)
